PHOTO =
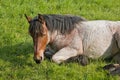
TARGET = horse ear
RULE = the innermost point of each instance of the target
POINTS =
(28, 18)
(41, 19)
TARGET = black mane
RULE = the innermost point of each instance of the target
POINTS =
(62, 23)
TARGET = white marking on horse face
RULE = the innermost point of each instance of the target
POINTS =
(41, 54)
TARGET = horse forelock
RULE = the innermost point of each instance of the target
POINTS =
(35, 28)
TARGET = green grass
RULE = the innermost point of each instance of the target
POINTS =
(16, 47)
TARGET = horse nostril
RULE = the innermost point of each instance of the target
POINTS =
(38, 61)
(41, 58)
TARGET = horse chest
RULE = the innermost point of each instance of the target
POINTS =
(61, 41)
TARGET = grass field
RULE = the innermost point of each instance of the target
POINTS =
(16, 47)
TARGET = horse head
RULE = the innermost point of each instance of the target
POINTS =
(39, 34)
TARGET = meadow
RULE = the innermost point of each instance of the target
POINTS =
(16, 46)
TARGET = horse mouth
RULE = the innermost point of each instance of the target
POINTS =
(38, 61)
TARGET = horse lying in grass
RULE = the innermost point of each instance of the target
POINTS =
(71, 36)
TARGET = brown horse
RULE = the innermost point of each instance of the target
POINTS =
(58, 31)
(70, 36)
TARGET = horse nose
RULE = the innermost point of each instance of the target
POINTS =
(38, 60)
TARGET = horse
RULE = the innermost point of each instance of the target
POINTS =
(58, 31)
(71, 36)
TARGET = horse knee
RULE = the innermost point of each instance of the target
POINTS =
(48, 54)
(58, 59)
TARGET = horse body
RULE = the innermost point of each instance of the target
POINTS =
(70, 36)
(95, 39)
(98, 39)
(66, 46)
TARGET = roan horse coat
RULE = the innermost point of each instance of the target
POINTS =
(70, 36)
(94, 39)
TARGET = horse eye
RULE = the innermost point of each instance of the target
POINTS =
(41, 35)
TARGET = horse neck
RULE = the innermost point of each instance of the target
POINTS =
(52, 36)
(61, 40)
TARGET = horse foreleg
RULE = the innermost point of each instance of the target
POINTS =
(116, 58)
(49, 52)
(64, 54)
(114, 69)
(81, 59)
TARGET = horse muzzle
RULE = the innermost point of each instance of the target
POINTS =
(38, 60)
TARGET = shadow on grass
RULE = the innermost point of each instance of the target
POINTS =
(18, 54)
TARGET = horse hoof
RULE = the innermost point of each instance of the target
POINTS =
(114, 69)
(38, 61)
(48, 55)
(109, 67)
(115, 72)
(83, 60)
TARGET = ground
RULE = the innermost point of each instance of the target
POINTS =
(16, 46)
